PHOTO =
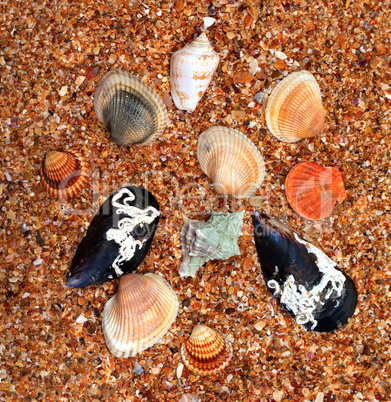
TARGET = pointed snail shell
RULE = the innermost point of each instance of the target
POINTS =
(191, 71)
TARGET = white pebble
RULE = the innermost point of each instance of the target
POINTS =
(81, 319)
(280, 55)
(38, 262)
(179, 370)
(138, 368)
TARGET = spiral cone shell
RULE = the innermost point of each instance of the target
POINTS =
(131, 110)
(191, 71)
(139, 315)
(207, 351)
(295, 109)
(231, 161)
(312, 190)
(64, 174)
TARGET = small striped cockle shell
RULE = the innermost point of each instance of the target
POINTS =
(191, 71)
(231, 161)
(139, 315)
(294, 109)
(131, 110)
(313, 190)
(64, 173)
(207, 351)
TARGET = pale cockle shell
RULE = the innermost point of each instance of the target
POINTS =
(294, 109)
(216, 239)
(131, 110)
(139, 315)
(207, 351)
(191, 71)
(231, 161)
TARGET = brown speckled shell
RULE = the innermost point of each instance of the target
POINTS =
(64, 173)
(294, 109)
(207, 351)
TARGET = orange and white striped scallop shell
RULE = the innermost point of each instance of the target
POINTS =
(191, 71)
(294, 110)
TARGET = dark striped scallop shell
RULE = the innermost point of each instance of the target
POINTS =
(64, 174)
(132, 111)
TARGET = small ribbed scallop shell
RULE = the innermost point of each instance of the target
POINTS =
(191, 71)
(231, 161)
(295, 109)
(64, 174)
(312, 190)
(139, 315)
(131, 110)
(207, 351)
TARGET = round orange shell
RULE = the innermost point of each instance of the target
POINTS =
(207, 351)
(312, 190)
(64, 174)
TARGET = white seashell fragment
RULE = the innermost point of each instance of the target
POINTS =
(191, 71)
(253, 66)
(189, 398)
(208, 22)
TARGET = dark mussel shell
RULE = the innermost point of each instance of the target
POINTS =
(118, 238)
(305, 282)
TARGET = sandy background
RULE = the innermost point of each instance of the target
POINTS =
(52, 55)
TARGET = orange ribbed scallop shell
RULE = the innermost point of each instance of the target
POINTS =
(295, 109)
(64, 174)
(139, 315)
(312, 190)
(207, 351)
